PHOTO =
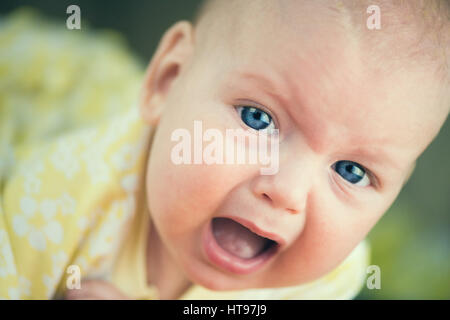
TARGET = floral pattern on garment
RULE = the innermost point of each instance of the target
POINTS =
(52, 219)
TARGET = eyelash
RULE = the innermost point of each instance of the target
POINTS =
(367, 174)
(259, 107)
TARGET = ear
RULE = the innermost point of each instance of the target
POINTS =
(172, 54)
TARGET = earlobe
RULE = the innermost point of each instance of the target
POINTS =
(170, 58)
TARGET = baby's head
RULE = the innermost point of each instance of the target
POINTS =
(354, 108)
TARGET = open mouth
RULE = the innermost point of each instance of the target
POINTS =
(234, 247)
(239, 240)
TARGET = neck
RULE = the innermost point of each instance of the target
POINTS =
(162, 270)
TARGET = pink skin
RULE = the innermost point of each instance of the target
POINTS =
(329, 103)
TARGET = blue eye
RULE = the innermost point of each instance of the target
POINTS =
(255, 118)
(352, 172)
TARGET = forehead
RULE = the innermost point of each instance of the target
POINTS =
(324, 76)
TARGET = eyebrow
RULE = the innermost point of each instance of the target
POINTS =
(271, 88)
(377, 157)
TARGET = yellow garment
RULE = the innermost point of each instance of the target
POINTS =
(73, 154)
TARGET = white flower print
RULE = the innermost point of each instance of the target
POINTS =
(98, 171)
(88, 136)
(82, 263)
(14, 293)
(6, 257)
(38, 233)
(22, 291)
(51, 281)
(64, 158)
(32, 184)
(120, 126)
(24, 286)
(93, 157)
(85, 222)
(67, 204)
(28, 206)
(129, 207)
(36, 238)
(48, 208)
(54, 231)
(129, 183)
(30, 170)
(20, 225)
(104, 241)
(126, 157)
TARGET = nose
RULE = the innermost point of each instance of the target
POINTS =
(288, 189)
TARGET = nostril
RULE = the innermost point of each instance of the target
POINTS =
(290, 211)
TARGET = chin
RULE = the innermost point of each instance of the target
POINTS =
(207, 276)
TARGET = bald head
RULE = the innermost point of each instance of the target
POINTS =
(415, 31)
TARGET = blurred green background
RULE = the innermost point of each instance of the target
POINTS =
(410, 243)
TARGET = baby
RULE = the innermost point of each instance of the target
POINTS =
(350, 107)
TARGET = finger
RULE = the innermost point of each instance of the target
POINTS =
(98, 289)
(85, 298)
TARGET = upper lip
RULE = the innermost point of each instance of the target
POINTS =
(255, 229)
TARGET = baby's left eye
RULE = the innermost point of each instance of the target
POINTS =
(255, 118)
(352, 172)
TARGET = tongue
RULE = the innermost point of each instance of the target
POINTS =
(237, 239)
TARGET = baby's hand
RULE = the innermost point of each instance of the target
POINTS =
(95, 290)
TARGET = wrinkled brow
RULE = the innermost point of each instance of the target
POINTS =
(366, 152)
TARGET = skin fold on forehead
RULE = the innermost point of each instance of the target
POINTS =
(414, 31)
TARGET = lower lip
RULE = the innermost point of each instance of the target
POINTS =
(230, 262)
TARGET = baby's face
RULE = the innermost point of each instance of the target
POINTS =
(349, 134)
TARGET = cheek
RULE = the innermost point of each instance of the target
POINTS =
(332, 230)
(182, 198)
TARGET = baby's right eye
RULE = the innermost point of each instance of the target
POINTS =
(255, 118)
(352, 172)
